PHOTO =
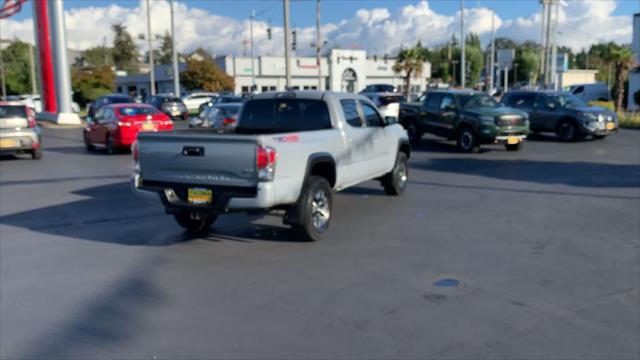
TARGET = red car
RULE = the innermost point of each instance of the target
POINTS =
(116, 126)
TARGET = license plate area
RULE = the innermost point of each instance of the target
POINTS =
(148, 127)
(512, 140)
(199, 196)
(9, 143)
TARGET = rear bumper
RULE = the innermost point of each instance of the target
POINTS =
(225, 198)
(19, 141)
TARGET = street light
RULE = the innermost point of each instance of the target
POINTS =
(253, 51)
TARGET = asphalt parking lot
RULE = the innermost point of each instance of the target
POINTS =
(539, 250)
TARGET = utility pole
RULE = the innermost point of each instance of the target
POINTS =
(543, 42)
(174, 54)
(493, 52)
(554, 49)
(152, 75)
(4, 84)
(318, 44)
(609, 77)
(287, 46)
(455, 65)
(463, 66)
(253, 53)
(547, 77)
(506, 79)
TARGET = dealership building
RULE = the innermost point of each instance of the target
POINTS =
(342, 70)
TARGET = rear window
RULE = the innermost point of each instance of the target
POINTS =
(231, 110)
(119, 100)
(12, 111)
(137, 110)
(283, 115)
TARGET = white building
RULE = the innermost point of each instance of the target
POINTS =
(342, 70)
(634, 74)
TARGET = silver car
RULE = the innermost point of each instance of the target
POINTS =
(19, 132)
(221, 116)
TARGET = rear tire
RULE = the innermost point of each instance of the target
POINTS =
(198, 225)
(513, 147)
(395, 182)
(566, 131)
(36, 154)
(313, 210)
(467, 141)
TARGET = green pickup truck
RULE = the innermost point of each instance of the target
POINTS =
(469, 117)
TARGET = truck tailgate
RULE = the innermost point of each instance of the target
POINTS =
(198, 157)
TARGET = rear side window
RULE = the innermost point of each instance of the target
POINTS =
(578, 90)
(350, 110)
(283, 115)
(521, 100)
(119, 100)
(11, 111)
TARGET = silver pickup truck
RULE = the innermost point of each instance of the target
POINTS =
(289, 152)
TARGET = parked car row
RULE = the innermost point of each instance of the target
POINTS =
(474, 118)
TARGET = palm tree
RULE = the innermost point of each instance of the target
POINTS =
(623, 61)
(410, 61)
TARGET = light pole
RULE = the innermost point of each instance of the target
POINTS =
(515, 73)
(462, 53)
(455, 64)
(287, 61)
(253, 53)
(174, 54)
(152, 75)
(318, 45)
(493, 51)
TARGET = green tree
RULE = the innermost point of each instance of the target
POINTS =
(474, 60)
(164, 55)
(16, 68)
(528, 60)
(623, 60)
(98, 56)
(206, 75)
(88, 84)
(410, 62)
(125, 51)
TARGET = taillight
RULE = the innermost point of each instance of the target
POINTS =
(265, 162)
(228, 121)
(166, 122)
(122, 123)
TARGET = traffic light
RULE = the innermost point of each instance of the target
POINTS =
(294, 40)
(269, 33)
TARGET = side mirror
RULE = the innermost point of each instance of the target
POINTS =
(390, 120)
(551, 106)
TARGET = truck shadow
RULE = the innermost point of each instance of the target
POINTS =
(580, 174)
(434, 145)
(113, 214)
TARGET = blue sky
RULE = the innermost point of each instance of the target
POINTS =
(378, 26)
(303, 11)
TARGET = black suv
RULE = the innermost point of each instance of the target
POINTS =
(563, 113)
(107, 100)
(472, 118)
(170, 105)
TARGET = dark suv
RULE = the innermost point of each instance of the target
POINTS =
(565, 114)
(472, 118)
(171, 106)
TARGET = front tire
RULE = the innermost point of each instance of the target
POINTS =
(313, 210)
(566, 131)
(195, 223)
(108, 143)
(599, 137)
(415, 136)
(395, 182)
(467, 141)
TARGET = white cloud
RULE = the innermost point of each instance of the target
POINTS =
(376, 30)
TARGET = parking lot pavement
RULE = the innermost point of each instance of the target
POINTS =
(532, 254)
